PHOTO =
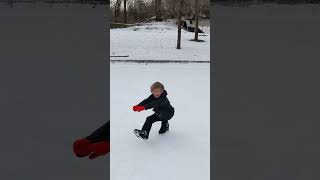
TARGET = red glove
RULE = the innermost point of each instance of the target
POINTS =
(81, 147)
(135, 108)
(99, 149)
(140, 108)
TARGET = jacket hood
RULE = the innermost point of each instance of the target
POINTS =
(164, 93)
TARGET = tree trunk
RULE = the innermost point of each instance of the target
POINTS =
(179, 24)
(117, 10)
(197, 21)
(139, 10)
(158, 10)
(179, 33)
(125, 10)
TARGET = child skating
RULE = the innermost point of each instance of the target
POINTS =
(163, 111)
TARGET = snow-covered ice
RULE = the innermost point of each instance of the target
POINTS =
(158, 41)
(184, 153)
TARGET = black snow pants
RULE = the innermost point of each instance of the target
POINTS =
(156, 117)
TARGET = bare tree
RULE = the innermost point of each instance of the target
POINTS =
(205, 8)
(117, 10)
(158, 9)
(139, 4)
(197, 21)
(179, 23)
(125, 11)
(170, 8)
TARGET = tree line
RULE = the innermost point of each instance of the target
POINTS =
(132, 11)
(159, 10)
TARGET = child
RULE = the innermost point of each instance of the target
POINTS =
(94, 145)
(161, 106)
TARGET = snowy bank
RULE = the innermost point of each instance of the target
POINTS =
(158, 41)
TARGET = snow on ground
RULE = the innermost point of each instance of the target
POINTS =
(158, 41)
(184, 153)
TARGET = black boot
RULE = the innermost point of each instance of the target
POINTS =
(141, 134)
(164, 128)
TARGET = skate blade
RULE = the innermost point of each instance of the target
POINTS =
(136, 133)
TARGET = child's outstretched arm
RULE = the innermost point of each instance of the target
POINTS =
(159, 102)
(146, 101)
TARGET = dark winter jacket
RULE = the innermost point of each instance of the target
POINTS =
(161, 106)
(101, 134)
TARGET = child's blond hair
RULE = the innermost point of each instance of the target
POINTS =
(156, 85)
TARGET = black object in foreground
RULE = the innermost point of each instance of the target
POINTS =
(101, 134)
